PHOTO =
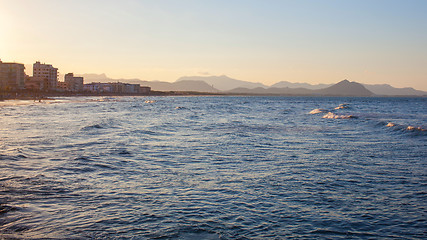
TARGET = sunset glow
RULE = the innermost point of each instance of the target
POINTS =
(374, 42)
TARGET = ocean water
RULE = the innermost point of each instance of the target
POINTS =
(214, 168)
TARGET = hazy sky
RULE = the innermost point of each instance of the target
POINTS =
(368, 41)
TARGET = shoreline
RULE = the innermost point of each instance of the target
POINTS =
(39, 96)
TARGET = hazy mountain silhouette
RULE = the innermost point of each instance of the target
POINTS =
(184, 85)
(192, 85)
(345, 88)
(377, 89)
(273, 91)
(230, 85)
(385, 89)
(284, 84)
(223, 83)
(93, 77)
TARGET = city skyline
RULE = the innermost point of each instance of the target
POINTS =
(381, 42)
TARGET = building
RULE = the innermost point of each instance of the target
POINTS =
(117, 87)
(125, 88)
(63, 86)
(36, 83)
(74, 84)
(97, 87)
(46, 73)
(12, 76)
(145, 90)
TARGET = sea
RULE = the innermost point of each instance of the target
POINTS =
(213, 167)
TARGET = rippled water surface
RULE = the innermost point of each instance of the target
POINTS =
(214, 168)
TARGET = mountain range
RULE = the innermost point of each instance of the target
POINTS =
(343, 88)
(225, 84)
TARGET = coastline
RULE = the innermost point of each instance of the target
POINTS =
(43, 96)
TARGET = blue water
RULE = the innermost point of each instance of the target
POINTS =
(213, 168)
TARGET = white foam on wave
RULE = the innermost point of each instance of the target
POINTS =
(332, 115)
(411, 128)
(15, 102)
(318, 110)
(390, 124)
(104, 99)
(343, 106)
(407, 128)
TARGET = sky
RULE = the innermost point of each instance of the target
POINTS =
(267, 41)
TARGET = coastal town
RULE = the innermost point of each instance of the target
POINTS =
(14, 82)
(45, 83)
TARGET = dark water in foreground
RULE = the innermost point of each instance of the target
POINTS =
(213, 168)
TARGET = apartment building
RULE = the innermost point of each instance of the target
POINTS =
(12, 76)
(74, 84)
(47, 74)
(116, 87)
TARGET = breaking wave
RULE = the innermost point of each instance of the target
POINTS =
(343, 106)
(406, 128)
(318, 110)
(332, 115)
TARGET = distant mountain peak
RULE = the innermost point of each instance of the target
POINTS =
(223, 82)
(388, 90)
(93, 75)
(228, 84)
(286, 84)
(346, 88)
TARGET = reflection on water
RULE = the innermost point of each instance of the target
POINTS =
(213, 168)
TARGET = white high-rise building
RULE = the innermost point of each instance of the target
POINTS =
(46, 73)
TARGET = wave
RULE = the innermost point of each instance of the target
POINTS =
(390, 124)
(104, 123)
(343, 106)
(318, 110)
(15, 103)
(411, 128)
(328, 232)
(403, 128)
(332, 115)
(13, 154)
(5, 209)
(94, 126)
(408, 129)
(104, 99)
(122, 152)
(321, 110)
